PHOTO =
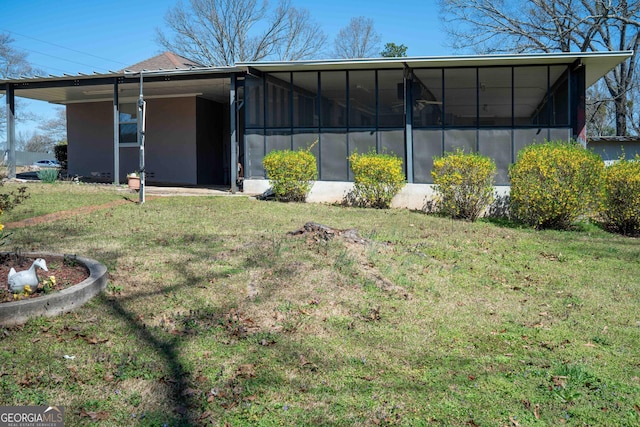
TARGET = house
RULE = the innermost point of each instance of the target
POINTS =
(202, 121)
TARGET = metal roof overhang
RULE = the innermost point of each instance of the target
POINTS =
(210, 83)
(213, 83)
(597, 63)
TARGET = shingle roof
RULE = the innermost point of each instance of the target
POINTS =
(164, 61)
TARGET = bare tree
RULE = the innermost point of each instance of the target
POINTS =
(56, 127)
(223, 32)
(13, 64)
(600, 113)
(39, 143)
(550, 26)
(359, 39)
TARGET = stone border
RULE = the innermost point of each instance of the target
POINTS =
(68, 299)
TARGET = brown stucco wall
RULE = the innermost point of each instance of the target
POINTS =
(170, 141)
(90, 136)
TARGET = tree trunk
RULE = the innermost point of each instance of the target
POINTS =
(620, 103)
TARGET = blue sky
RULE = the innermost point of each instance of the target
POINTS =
(72, 36)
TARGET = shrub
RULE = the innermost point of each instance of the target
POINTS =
(48, 175)
(377, 178)
(463, 184)
(554, 183)
(60, 151)
(291, 173)
(620, 208)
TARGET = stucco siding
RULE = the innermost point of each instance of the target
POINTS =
(90, 137)
(171, 140)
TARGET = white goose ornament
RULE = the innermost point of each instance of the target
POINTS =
(19, 279)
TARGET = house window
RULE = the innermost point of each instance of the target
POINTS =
(128, 123)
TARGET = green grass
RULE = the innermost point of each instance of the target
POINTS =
(214, 315)
(59, 196)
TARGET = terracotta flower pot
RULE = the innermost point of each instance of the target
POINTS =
(134, 182)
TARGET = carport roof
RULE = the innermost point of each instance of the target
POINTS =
(208, 82)
(213, 82)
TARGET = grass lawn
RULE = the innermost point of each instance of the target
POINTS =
(214, 315)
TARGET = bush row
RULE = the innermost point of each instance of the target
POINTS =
(552, 184)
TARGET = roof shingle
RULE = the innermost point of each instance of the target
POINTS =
(164, 61)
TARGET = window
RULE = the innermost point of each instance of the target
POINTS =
(128, 123)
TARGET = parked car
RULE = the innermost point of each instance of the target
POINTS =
(47, 164)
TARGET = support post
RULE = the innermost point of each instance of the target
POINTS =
(116, 134)
(577, 99)
(142, 110)
(408, 129)
(11, 132)
(234, 134)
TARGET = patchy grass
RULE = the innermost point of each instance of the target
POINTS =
(60, 196)
(214, 315)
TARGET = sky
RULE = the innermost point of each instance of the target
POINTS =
(83, 36)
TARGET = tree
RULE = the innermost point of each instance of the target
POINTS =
(56, 128)
(39, 143)
(491, 26)
(359, 39)
(13, 63)
(392, 50)
(223, 32)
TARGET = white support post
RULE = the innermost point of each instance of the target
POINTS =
(116, 135)
(11, 132)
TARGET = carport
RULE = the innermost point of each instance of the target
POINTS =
(192, 122)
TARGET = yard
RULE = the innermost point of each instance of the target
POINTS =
(215, 315)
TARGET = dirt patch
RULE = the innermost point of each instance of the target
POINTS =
(67, 272)
(63, 214)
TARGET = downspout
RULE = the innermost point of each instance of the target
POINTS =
(11, 132)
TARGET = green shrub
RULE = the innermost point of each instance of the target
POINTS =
(48, 175)
(291, 173)
(554, 183)
(463, 183)
(620, 208)
(377, 178)
(60, 151)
